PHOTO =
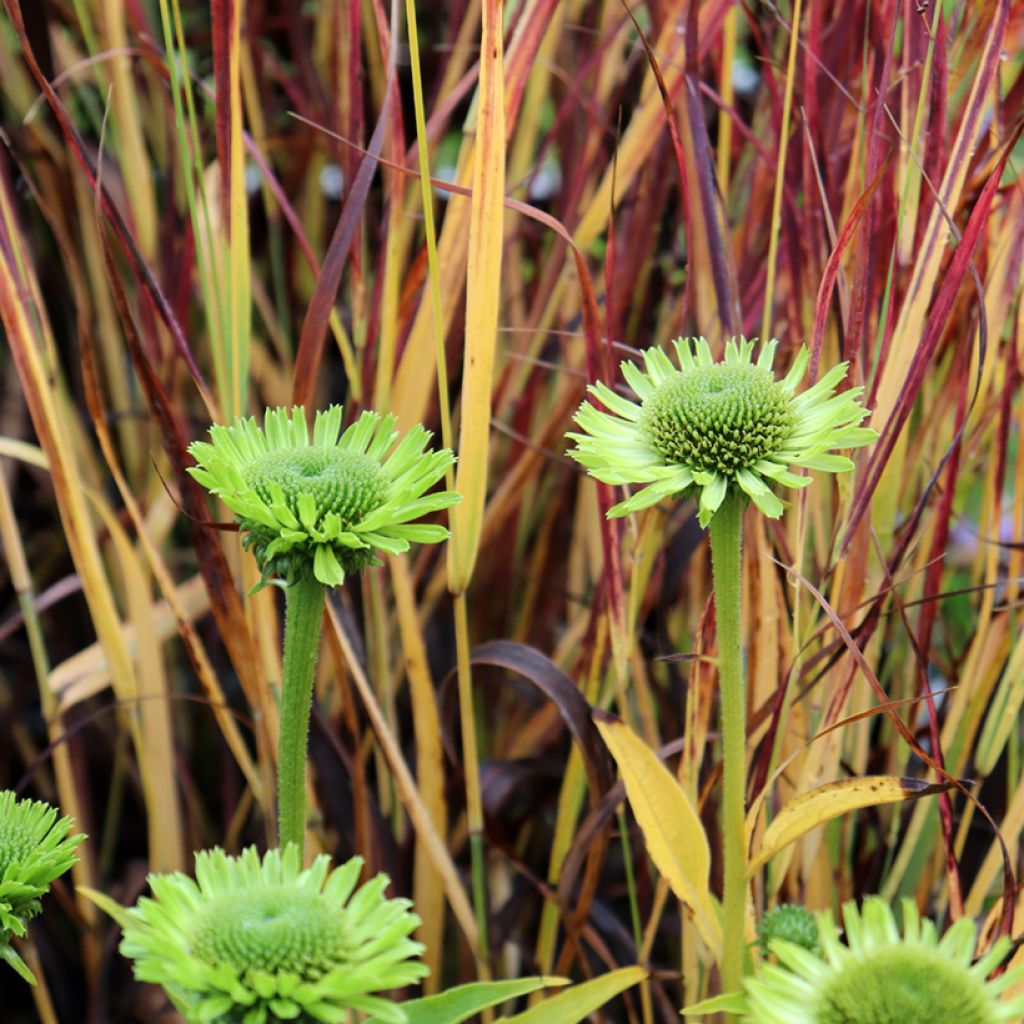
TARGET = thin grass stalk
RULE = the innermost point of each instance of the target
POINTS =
(724, 144)
(471, 765)
(775, 230)
(471, 768)
(407, 790)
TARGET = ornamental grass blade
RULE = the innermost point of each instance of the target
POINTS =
(428, 887)
(483, 292)
(830, 801)
(578, 1002)
(226, 17)
(409, 398)
(676, 840)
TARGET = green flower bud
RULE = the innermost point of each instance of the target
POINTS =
(793, 924)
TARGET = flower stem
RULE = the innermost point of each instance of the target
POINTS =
(304, 609)
(727, 566)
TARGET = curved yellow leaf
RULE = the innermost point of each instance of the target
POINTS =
(826, 802)
(676, 840)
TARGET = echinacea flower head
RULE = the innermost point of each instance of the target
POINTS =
(251, 941)
(880, 976)
(702, 427)
(322, 507)
(35, 849)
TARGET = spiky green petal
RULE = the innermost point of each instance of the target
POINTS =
(702, 427)
(878, 976)
(35, 849)
(259, 940)
(324, 507)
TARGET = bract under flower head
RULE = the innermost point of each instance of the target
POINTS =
(253, 941)
(879, 976)
(324, 507)
(703, 426)
(35, 849)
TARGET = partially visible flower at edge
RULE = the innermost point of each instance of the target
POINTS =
(251, 941)
(704, 426)
(323, 508)
(35, 849)
(880, 975)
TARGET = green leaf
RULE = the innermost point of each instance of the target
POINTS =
(578, 1002)
(731, 1002)
(110, 907)
(461, 1003)
(8, 955)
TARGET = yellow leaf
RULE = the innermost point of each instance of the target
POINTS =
(675, 837)
(483, 290)
(826, 802)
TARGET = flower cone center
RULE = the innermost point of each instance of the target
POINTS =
(345, 482)
(271, 929)
(718, 418)
(16, 843)
(903, 985)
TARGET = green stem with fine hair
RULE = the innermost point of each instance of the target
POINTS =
(727, 567)
(304, 610)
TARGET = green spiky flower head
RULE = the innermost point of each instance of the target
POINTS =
(35, 849)
(879, 976)
(702, 427)
(252, 941)
(324, 507)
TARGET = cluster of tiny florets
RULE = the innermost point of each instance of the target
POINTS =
(719, 418)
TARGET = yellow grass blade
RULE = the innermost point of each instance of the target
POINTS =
(483, 292)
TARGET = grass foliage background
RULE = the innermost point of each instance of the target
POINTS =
(209, 208)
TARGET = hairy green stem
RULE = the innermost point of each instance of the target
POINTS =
(304, 609)
(727, 566)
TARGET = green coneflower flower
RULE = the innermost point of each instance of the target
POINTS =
(703, 427)
(251, 941)
(35, 849)
(312, 512)
(321, 509)
(879, 976)
(723, 432)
